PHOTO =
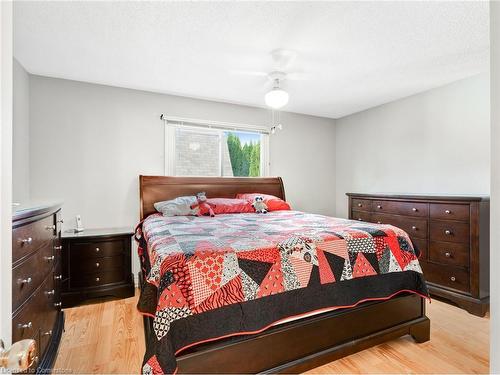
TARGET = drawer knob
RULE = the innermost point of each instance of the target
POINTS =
(379, 222)
(27, 241)
(58, 247)
(50, 292)
(414, 227)
(360, 205)
(60, 221)
(359, 219)
(447, 232)
(58, 304)
(97, 279)
(379, 207)
(447, 212)
(414, 209)
(48, 333)
(25, 325)
(97, 249)
(49, 258)
(58, 277)
(50, 227)
(24, 281)
(447, 255)
(97, 264)
(453, 278)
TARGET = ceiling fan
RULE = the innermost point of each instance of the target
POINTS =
(282, 59)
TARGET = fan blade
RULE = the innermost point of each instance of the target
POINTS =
(283, 58)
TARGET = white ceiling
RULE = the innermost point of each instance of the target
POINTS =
(356, 55)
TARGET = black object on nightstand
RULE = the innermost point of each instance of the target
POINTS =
(96, 263)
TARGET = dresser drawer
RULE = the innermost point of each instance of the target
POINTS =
(401, 208)
(455, 254)
(30, 237)
(415, 227)
(450, 211)
(95, 250)
(28, 321)
(449, 231)
(446, 276)
(28, 275)
(361, 204)
(421, 245)
(97, 279)
(91, 265)
(361, 215)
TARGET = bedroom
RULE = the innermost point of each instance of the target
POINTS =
(381, 113)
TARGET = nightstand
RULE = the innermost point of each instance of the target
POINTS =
(96, 263)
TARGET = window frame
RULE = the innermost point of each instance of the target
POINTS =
(172, 125)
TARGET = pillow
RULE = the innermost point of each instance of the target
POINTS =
(230, 205)
(273, 203)
(180, 206)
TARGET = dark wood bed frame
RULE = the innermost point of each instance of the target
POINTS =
(299, 345)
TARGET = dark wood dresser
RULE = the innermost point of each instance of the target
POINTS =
(96, 263)
(452, 234)
(36, 280)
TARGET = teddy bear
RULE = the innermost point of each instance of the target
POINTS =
(259, 205)
(202, 207)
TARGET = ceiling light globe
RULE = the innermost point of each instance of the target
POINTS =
(276, 98)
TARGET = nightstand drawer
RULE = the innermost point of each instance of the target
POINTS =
(97, 279)
(90, 265)
(94, 250)
(456, 254)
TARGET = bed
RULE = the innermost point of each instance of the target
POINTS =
(277, 293)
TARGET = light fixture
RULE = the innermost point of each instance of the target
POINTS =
(277, 97)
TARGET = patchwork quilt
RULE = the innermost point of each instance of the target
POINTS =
(237, 274)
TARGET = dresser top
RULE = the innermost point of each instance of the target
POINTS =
(448, 197)
(33, 208)
(98, 232)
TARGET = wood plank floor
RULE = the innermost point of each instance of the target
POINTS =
(108, 338)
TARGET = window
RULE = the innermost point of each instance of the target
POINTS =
(196, 150)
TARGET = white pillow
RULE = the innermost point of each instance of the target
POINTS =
(180, 206)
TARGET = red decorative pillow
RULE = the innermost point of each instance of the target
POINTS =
(273, 203)
(230, 205)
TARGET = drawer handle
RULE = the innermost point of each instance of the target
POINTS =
(50, 258)
(58, 277)
(97, 264)
(379, 207)
(50, 292)
(27, 241)
(453, 278)
(359, 219)
(360, 205)
(447, 255)
(28, 325)
(60, 221)
(379, 222)
(447, 232)
(414, 209)
(48, 333)
(24, 281)
(97, 249)
(58, 247)
(97, 279)
(58, 304)
(447, 212)
(414, 227)
(50, 227)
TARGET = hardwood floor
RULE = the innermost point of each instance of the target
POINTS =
(108, 338)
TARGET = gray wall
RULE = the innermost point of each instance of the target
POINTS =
(433, 142)
(495, 186)
(90, 142)
(20, 147)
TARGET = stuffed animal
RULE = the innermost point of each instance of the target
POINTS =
(202, 207)
(259, 205)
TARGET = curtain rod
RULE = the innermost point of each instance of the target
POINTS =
(216, 124)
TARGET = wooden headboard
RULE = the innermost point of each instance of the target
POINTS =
(160, 188)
